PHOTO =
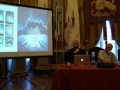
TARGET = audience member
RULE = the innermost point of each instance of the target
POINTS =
(106, 55)
(69, 56)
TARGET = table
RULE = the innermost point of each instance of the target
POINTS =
(71, 77)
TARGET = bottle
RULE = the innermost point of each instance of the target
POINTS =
(93, 58)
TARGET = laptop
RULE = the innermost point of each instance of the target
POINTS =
(81, 59)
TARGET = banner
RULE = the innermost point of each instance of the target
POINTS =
(57, 31)
(102, 9)
(67, 29)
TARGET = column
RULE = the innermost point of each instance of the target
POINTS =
(19, 66)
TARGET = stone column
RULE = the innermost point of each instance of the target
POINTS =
(19, 66)
(3, 68)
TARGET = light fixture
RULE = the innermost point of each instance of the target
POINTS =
(73, 19)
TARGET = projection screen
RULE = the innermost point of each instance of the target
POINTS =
(25, 31)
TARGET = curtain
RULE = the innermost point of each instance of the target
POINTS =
(90, 31)
(81, 21)
(95, 33)
(117, 31)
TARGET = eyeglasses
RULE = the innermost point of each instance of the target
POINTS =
(108, 47)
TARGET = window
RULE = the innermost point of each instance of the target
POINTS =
(101, 42)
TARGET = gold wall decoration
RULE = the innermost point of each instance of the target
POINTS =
(23, 2)
(11, 1)
(49, 3)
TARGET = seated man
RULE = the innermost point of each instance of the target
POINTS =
(69, 56)
(106, 55)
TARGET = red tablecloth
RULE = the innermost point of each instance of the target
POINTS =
(71, 77)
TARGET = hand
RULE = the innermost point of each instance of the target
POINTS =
(76, 50)
(82, 47)
(106, 61)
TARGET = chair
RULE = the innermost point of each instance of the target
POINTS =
(118, 54)
(96, 50)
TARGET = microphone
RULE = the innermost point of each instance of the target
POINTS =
(76, 51)
(76, 47)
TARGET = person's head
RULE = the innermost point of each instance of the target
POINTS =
(75, 43)
(108, 47)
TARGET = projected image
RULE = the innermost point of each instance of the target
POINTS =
(9, 30)
(9, 17)
(32, 30)
(1, 29)
(8, 41)
(25, 31)
(1, 41)
(1, 16)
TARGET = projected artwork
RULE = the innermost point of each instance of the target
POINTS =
(1, 35)
(8, 41)
(1, 41)
(1, 16)
(9, 17)
(32, 35)
(9, 30)
(1, 29)
(25, 31)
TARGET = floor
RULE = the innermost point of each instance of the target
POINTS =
(32, 82)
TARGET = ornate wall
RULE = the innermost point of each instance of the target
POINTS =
(23, 2)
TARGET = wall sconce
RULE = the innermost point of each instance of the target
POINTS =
(73, 19)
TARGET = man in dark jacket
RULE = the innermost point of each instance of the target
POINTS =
(69, 55)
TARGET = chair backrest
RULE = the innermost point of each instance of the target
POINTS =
(118, 54)
(96, 50)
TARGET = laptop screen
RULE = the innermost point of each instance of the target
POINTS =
(82, 59)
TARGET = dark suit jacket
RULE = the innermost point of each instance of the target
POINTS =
(69, 55)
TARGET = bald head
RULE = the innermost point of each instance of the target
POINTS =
(108, 47)
(75, 43)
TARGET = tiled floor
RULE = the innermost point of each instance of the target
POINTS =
(31, 82)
